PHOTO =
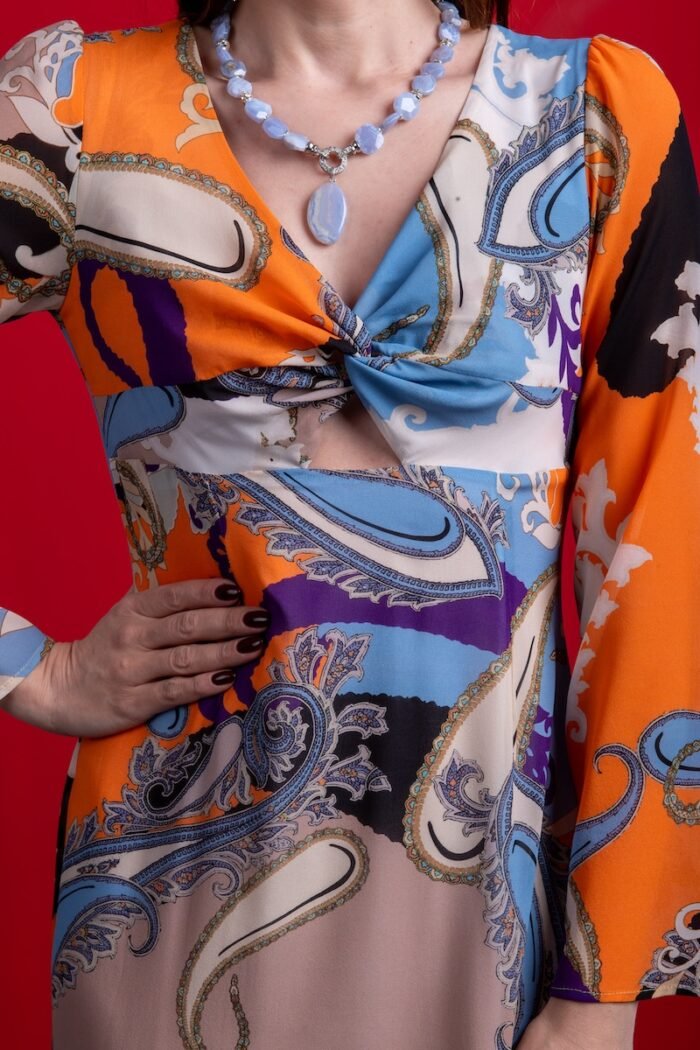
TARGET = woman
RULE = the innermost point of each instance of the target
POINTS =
(362, 385)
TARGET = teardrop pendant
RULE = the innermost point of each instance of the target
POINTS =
(326, 213)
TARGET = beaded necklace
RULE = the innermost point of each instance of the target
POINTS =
(327, 210)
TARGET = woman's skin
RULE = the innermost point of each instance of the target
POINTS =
(326, 66)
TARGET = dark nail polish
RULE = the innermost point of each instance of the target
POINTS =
(250, 645)
(256, 619)
(223, 677)
(228, 592)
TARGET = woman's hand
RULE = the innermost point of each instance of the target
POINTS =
(564, 1024)
(152, 651)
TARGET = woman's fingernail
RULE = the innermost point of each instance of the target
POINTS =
(256, 619)
(227, 592)
(223, 677)
(249, 645)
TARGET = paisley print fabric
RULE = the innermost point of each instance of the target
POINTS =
(408, 822)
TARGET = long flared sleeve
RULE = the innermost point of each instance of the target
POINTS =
(633, 713)
(41, 104)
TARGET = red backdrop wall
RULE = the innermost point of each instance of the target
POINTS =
(61, 455)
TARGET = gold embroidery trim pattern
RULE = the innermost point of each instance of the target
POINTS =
(465, 704)
(340, 897)
(590, 938)
(617, 154)
(186, 54)
(47, 647)
(428, 353)
(152, 556)
(682, 812)
(163, 168)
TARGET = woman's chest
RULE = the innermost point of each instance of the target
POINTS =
(380, 189)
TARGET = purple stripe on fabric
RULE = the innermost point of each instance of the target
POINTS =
(486, 618)
(212, 707)
(87, 271)
(162, 319)
(568, 984)
(297, 603)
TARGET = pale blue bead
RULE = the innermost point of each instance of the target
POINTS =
(389, 121)
(406, 105)
(238, 86)
(220, 32)
(274, 127)
(327, 212)
(257, 110)
(443, 54)
(424, 84)
(233, 67)
(450, 34)
(449, 9)
(296, 141)
(369, 138)
(436, 70)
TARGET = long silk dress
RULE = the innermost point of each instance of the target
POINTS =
(408, 822)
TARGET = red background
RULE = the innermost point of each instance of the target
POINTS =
(61, 453)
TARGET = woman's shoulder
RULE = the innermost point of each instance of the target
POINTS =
(525, 72)
(52, 78)
(606, 65)
(618, 69)
(43, 54)
(66, 37)
(61, 64)
(40, 83)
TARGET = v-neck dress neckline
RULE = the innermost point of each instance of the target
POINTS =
(249, 189)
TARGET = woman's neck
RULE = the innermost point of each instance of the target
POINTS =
(345, 42)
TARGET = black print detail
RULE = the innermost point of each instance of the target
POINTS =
(453, 231)
(646, 294)
(413, 725)
(527, 664)
(162, 795)
(207, 390)
(60, 839)
(327, 891)
(555, 198)
(54, 157)
(175, 255)
(418, 537)
(21, 226)
(668, 760)
(448, 853)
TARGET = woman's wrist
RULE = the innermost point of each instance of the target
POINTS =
(30, 700)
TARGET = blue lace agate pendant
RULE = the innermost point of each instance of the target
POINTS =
(328, 209)
(327, 212)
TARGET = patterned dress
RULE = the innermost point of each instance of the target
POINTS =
(407, 823)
